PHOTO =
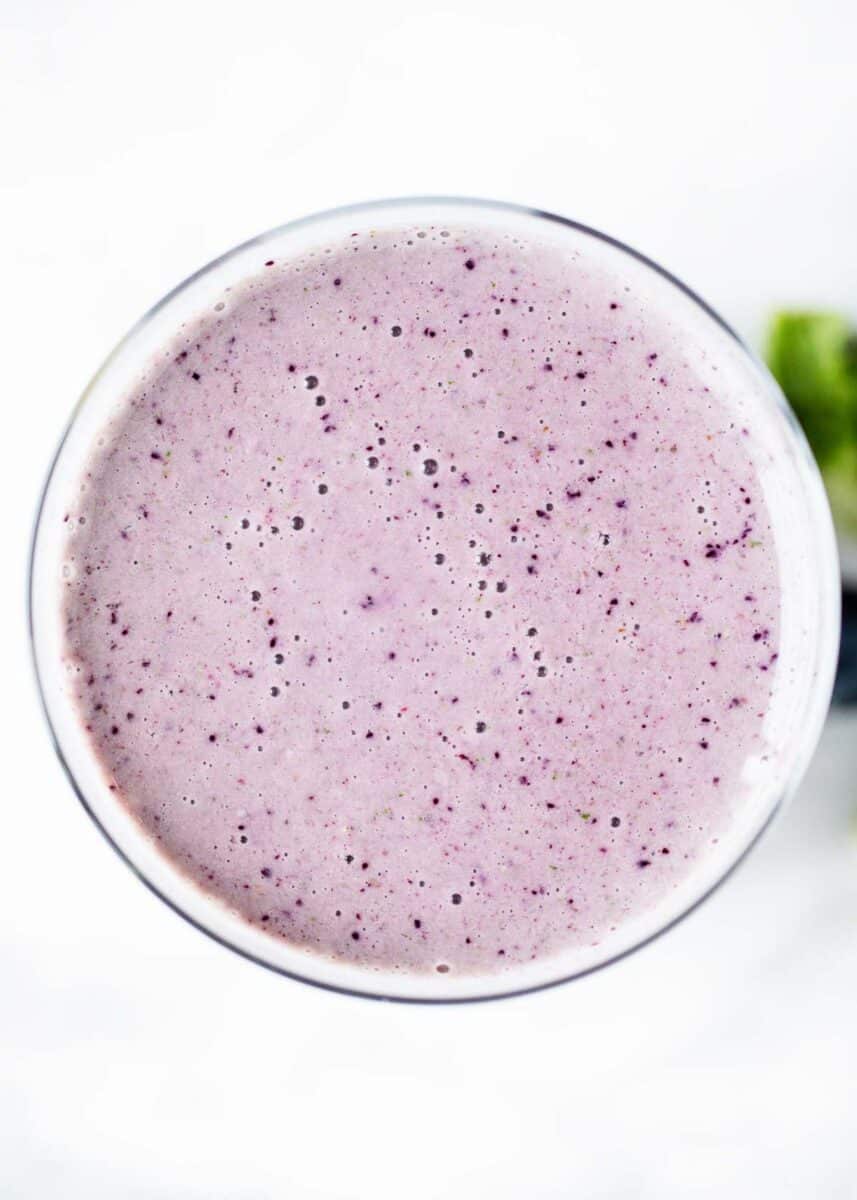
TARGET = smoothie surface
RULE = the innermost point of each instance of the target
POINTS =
(422, 603)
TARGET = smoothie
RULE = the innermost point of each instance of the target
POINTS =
(421, 601)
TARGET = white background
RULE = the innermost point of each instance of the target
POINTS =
(137, 1059)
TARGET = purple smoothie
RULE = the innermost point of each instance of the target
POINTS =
(422, 602)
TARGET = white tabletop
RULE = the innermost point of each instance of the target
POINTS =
(136, 1058)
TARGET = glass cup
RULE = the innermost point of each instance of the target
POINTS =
(802, 531)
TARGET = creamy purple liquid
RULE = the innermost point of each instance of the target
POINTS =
(422, 602)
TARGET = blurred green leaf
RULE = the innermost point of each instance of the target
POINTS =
(813, 356)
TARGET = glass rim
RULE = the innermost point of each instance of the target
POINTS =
(827, 662)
